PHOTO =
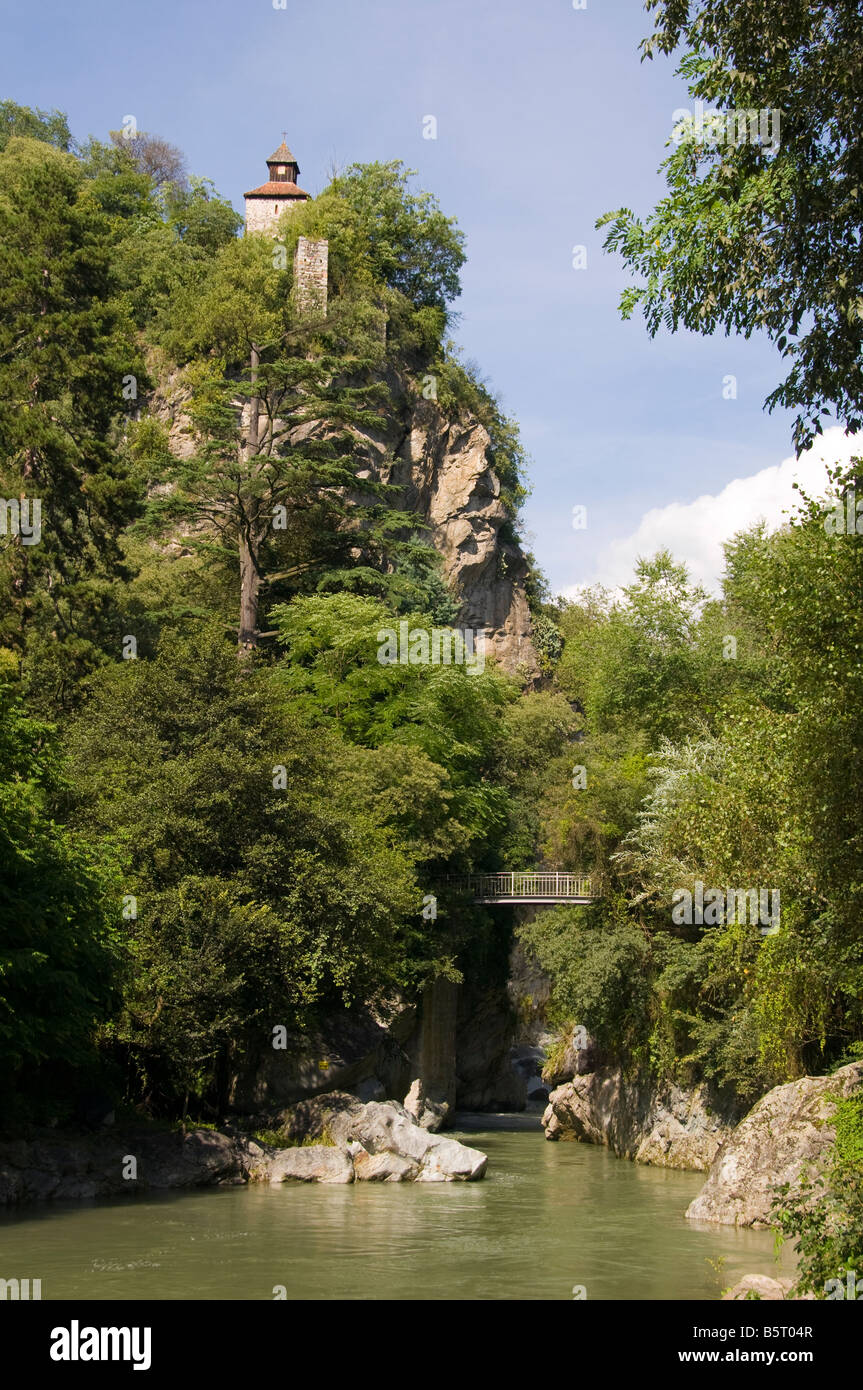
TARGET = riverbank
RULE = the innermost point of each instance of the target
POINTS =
(362, 1143)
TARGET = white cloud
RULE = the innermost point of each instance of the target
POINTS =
(695, 531)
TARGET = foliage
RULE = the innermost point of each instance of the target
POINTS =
(255, 896)
(736, 771)
(548, 641)
(599, 964)
(406, 241)
(32, 124)
(60, 955)
(763, 235)
(64, 358)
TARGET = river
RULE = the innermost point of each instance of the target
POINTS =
(546, 1218)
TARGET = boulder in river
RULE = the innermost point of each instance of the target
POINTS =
(309, 1163)
(385, 1127)
(787, 1131)
(383, 1167)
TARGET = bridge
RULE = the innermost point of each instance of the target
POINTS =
(529, 887)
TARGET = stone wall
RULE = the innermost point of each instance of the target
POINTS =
(311, 260)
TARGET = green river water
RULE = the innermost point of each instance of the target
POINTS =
(547, 1217)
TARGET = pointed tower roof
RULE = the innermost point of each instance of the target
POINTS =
(282, 156)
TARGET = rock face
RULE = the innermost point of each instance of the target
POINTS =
(486, 1079)
(446, 475)
(60, 1167)
(578, 1056)
(787, 1130)
(431, 1097)
(670, 1128)
(361, 1049)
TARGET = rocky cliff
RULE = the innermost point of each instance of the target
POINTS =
(443, 470)
(787, 1133)
(664, 1126)
(446, 476)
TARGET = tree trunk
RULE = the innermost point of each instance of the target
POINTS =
(250, 585)
(254, 405)
(250, 582)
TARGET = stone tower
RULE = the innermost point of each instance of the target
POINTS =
(311, 260)
(265, 205)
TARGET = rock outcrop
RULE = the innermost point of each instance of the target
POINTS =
(442, 467)
(364, 1050)
(67, 1167)
(384, 1131)
(371, 1142)
(575, 1054)
(787, 1131)
(445, 472)
(667, 1127)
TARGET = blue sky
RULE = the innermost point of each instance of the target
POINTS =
(546, 118)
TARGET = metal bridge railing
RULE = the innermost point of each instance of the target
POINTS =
(488, 888)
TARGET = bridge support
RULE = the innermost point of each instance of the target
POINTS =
(433, 1089)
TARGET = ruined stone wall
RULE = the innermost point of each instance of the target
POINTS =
(311, 261)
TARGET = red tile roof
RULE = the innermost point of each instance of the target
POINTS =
(278, 190)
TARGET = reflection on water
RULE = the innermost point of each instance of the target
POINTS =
(545, 1218)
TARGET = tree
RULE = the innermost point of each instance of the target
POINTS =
(445, 718)
(60, 955)
(764, 233)
(153, 156)
(287, 422)
(64, 359)
(33, 124)
(408, 243)
(601, 973)
(260, 888)
(639, 659)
